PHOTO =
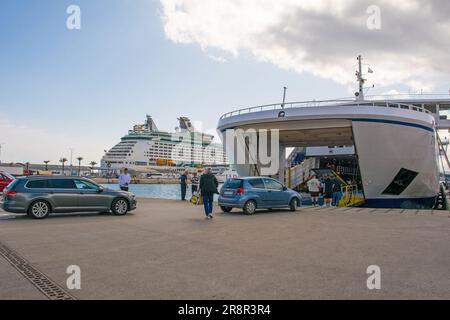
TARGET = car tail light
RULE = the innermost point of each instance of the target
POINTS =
(240, 190)
(9, 193)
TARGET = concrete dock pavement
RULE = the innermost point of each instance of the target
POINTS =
(167, 250)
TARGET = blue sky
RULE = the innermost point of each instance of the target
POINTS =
(85, 88)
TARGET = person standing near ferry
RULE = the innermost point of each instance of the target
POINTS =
(183, 184)
(314, 189)
(124, 180)
(328, 186)
(337, 193)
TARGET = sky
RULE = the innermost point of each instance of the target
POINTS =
(83, 89)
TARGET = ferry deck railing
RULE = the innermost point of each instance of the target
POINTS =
(378, 101)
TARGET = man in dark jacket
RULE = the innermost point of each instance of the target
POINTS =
(183, 184)
(328, 186)
(337, 193)
(208, 187)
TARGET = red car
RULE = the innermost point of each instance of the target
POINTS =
(5, 179)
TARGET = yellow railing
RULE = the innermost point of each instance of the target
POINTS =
(351, 196)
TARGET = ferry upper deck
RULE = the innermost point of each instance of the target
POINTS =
(436, 105)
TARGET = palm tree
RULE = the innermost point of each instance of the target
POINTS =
(27, 168)
(63, 161)
(46, 164)
(93, 164)
(79, 165)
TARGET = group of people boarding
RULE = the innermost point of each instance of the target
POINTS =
(330, 188)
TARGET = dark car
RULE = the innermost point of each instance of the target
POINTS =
(39, 196)
(5, 179)
(254, 193)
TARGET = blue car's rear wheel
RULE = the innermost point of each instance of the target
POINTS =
(250, 207)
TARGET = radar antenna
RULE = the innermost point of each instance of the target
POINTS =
(359, 75)
(361, 80)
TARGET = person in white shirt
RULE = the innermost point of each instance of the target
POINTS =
(314, 189)
(124, 180)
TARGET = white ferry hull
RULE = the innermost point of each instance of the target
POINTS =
(386, 147)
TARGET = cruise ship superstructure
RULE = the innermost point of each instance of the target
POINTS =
(147, 147)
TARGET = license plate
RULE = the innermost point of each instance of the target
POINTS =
(228, 193)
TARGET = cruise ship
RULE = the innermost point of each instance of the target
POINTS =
(146, 147)
(390, 145)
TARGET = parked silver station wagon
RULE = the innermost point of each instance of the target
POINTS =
(40, 196)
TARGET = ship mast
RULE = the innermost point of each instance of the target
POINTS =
(361, 80)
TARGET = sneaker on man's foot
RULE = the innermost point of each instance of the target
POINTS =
(211, 216)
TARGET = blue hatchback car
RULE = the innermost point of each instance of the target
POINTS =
(255, 193)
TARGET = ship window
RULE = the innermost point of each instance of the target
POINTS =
(401, 181)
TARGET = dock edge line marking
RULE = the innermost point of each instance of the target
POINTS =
(38, 279)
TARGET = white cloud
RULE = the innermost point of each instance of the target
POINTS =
(322, 36)
(217, 58)
(392, 92)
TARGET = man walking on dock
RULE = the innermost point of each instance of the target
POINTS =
(124, 180)
(208, 187)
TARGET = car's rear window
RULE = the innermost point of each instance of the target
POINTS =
(37, 184)
(12, 185)
(62, 184)
(272, 184)
(257, 183)
(233, 184)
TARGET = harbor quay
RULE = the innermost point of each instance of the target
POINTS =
(167, 250)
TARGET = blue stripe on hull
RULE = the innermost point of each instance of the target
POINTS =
(417, 203)
(401, 123)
